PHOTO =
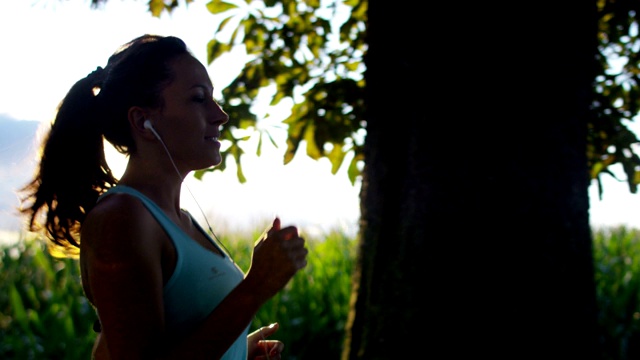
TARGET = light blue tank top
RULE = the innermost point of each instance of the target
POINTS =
(200, 280)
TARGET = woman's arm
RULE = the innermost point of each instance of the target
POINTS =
(122, 251)
(121, 256)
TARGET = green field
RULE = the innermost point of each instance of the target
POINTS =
(44, 315)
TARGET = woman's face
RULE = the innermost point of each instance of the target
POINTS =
(189, 122)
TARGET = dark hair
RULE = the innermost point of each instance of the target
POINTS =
(73, 170)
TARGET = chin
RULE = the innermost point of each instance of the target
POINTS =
(215, 161)
(208, 164)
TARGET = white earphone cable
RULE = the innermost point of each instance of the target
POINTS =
(188, 189)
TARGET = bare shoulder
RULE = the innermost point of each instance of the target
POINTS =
(118, 245)
(120, 222)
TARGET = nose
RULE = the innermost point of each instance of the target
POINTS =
(219, 115)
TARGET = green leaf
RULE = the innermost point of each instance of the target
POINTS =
(353, 171)
(19, 312)
(336, 156)
(312, 148)
(156, 7)
(218, 6)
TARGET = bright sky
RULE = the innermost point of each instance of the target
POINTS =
(50, 44)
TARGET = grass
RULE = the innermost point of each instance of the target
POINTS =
(44, 315)
(616, 255)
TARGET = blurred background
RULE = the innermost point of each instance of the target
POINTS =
(50, 44)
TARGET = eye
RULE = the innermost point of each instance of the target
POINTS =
(199, 98)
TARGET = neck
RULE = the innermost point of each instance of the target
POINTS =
(164, 188)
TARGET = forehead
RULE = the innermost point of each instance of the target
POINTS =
(189, 72)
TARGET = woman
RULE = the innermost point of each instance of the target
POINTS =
(161, 286)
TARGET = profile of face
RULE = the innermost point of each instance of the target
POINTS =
(190, 120)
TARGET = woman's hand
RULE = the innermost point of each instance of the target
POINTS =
(262, 349)
(277, 256)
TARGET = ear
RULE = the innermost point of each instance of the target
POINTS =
(137, 117)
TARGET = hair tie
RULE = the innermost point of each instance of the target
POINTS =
(97, 72)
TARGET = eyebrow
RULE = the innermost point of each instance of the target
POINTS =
(203, 86)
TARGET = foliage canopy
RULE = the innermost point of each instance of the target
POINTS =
(312, 52)
(617, 97)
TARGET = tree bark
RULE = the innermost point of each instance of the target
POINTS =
(474, 233)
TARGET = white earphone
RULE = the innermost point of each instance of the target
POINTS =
(147, 125)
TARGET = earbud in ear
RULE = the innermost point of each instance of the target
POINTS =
(147, 125)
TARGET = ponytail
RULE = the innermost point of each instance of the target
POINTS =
(73, 170)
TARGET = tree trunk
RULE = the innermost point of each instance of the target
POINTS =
(474, 234)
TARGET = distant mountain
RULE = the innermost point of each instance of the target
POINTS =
(18, 148)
